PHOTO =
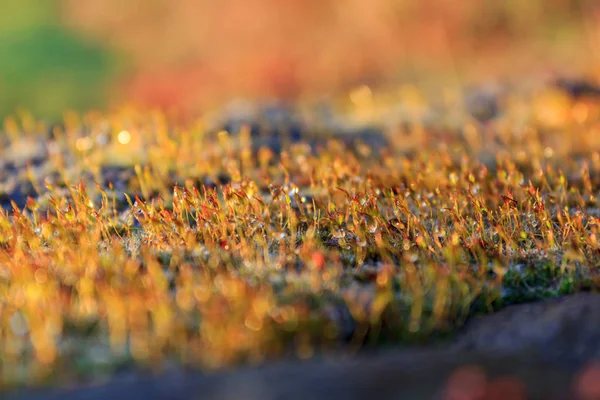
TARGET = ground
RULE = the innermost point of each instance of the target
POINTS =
(387, 220)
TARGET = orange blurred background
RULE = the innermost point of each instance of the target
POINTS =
(195, 53)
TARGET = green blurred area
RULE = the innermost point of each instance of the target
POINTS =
(45, 67)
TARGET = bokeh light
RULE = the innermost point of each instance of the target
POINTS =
(124, 137)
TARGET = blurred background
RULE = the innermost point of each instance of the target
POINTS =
(195, 54)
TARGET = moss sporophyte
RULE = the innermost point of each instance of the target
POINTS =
(129, 237)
